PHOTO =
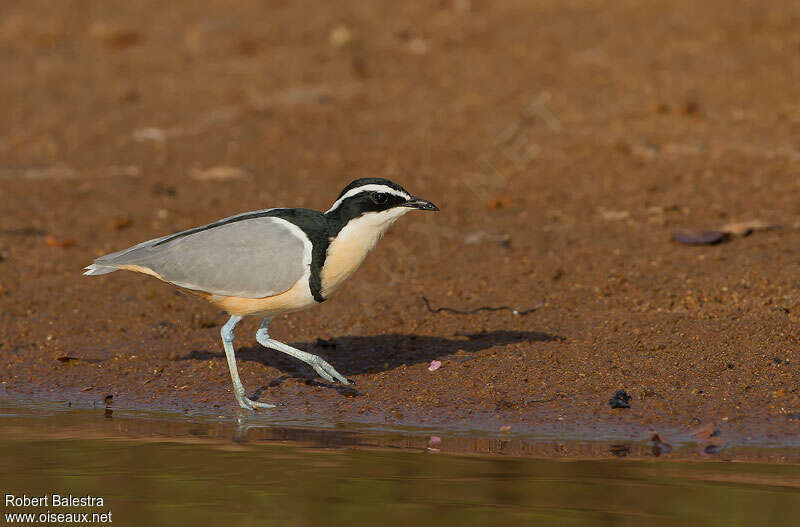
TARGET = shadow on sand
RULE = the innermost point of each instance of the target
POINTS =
(353, 355)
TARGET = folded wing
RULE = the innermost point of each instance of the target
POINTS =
(253, 257)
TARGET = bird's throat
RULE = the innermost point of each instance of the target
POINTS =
(350, 247)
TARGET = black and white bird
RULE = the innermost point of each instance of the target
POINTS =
(273, 261)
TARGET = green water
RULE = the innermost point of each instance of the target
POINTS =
(157, 469)
(166, 483)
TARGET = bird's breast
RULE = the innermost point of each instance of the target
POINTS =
(347, 250)
(345, 256)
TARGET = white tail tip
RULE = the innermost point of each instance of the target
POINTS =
(94, 270)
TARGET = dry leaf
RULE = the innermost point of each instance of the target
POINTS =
(659, 107)
(745, 228)
(150, 133)
(119, 223)
(499, 202)
(63, 243)
(219, 173)
(68, 359)
(249, 46)
(613, 215)
(340, 36)
(690, 107)
(115, 37)
(418, 46)
(122, 39)
(699, 237)
(704, 432)
(481, 236)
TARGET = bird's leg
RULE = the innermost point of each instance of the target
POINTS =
(325, 370)
(238, 389)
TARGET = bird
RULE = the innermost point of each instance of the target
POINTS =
(273, 261)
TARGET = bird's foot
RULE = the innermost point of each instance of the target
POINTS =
(249, 404)
(326, 371)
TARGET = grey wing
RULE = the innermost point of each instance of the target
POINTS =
(250, 258)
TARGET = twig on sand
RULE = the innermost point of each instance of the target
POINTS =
(517, 312)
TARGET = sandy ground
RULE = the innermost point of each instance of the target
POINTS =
(563, 141)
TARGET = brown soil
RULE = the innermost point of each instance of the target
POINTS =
(563, 141)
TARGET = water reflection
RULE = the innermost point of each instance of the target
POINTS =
(160, 483)
(183, 472)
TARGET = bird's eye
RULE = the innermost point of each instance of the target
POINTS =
(378, 198)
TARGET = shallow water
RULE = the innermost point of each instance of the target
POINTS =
(179, 472)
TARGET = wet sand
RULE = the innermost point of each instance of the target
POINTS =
(564, 143)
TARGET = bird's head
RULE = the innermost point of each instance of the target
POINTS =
(376, 200)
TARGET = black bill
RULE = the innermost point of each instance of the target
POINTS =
(421, 204)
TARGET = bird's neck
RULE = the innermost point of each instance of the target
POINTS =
(350, 246)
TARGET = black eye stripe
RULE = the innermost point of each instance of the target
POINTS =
(379, 198)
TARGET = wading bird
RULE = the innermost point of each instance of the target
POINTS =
(273, 261)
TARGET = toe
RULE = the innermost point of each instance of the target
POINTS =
(245, 404)
(249, 404)
(324, 374)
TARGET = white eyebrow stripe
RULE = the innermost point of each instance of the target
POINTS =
(366, 188)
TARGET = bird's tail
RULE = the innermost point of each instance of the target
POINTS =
(95, 269)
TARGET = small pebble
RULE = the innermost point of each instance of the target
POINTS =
(621, 399)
